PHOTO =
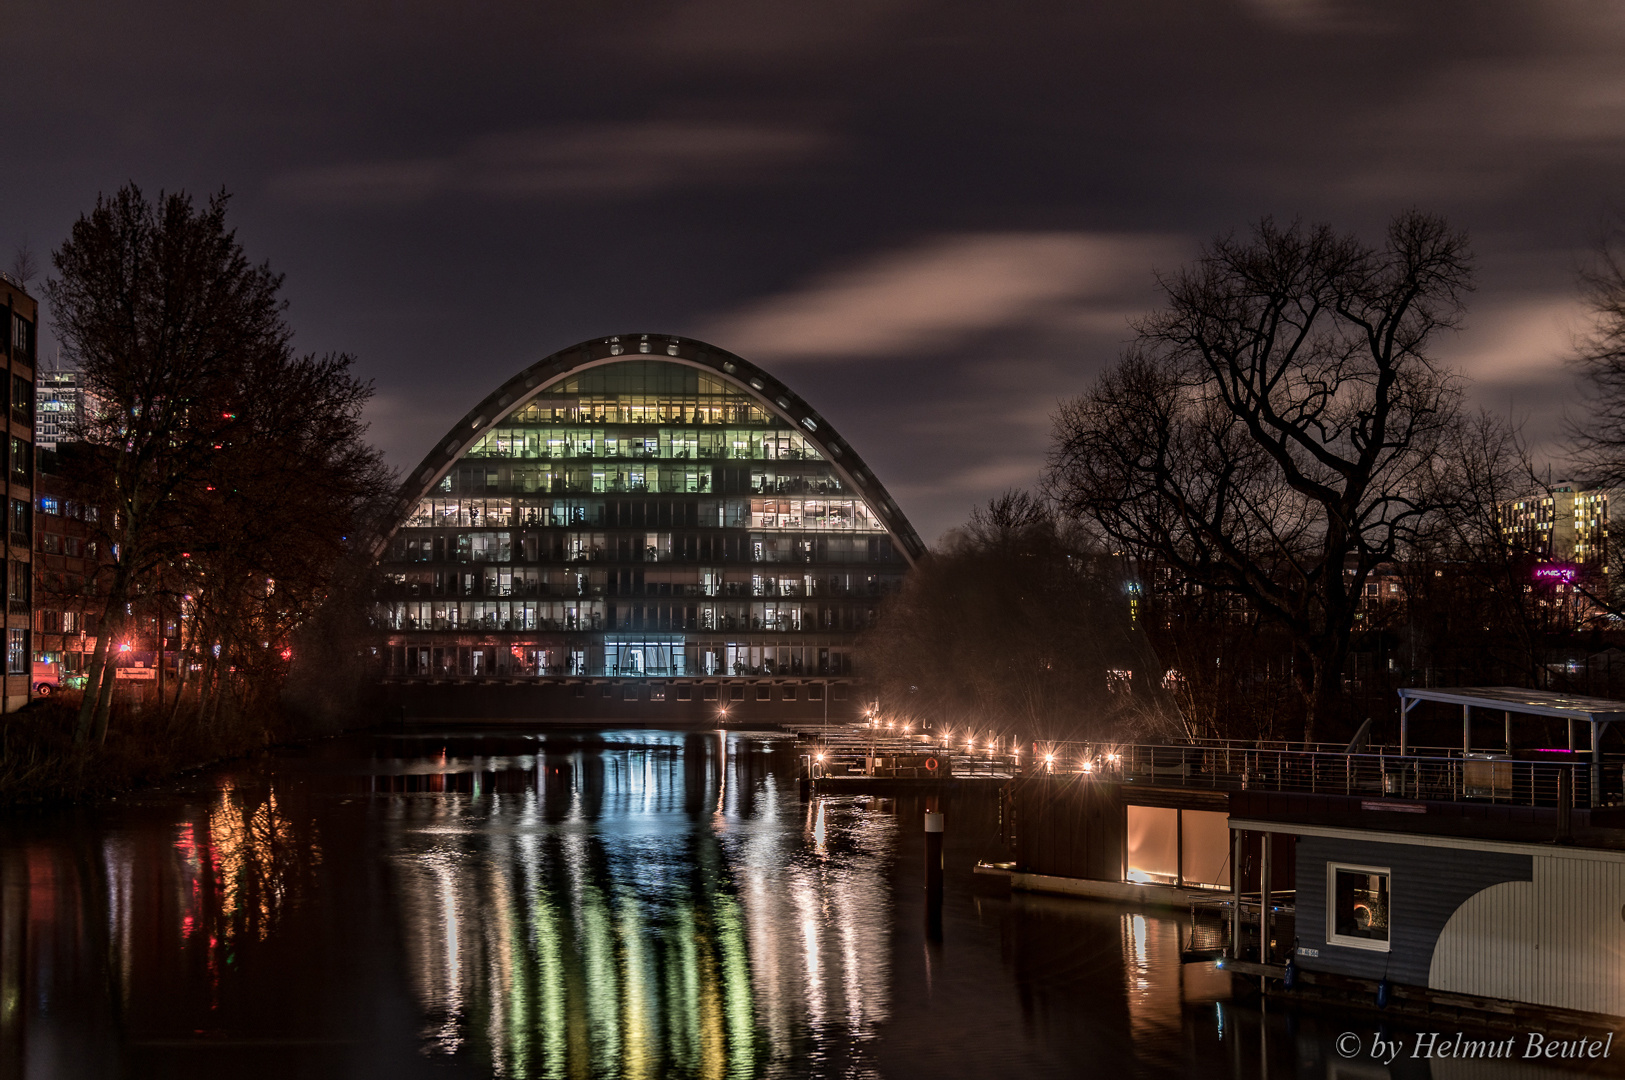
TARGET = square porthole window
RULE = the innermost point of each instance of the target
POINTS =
(657, 692)
(815, 692)
(685, 693)
(840, 691)
(764, 693)
(736, 693)
(1358, 905)
(609, 691)
(581, 691)
(789, 693)
(630, 694)
(710, 692)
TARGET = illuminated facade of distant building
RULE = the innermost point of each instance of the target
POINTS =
(1568, 524)
(58, 401)
(642, 519)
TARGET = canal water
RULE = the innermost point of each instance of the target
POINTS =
(605, 904)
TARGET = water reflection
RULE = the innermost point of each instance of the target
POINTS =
(645, 907)
(93, 921)
(634, 904)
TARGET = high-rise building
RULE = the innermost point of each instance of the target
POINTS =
(19, 332)
(1567, 524)
(640, 526)
(59, 400)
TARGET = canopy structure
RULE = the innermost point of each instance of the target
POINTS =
(1597, 712)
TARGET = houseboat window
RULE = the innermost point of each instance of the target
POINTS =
(1359, 906)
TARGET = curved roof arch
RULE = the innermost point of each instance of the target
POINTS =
(768, 392)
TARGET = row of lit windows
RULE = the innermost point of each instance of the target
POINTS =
(592, 615)
(664, 443)
(797, 514)
(580, 547)
(619, 513)
(635, 479)
(696, 582)
(621, 659)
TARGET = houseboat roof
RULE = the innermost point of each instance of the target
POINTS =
(1516, 699)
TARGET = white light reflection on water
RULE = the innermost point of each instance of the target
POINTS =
(650, 908)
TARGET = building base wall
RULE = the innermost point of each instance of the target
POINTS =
(624, 702)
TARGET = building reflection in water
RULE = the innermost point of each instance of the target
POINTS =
(645, 907)
(136, 928)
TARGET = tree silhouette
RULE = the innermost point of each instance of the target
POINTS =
(1273, 432)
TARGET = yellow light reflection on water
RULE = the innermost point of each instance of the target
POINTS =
(644, 927)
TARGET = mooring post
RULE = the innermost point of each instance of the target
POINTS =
(1264, 907)
(1235, 894)
(1565, 804)
(933, 852)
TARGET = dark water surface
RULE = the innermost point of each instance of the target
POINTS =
(623, 903)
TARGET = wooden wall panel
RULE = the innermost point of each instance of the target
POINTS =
(1557, 940)
(1428, 885)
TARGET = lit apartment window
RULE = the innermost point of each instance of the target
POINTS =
(16, 652)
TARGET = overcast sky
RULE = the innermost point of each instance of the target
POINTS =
(932, 219)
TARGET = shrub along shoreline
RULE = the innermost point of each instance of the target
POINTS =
(42, 765)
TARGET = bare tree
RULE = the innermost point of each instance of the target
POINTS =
(1015, 626)
(1599, 436)
(232, 468)
(1467, 574)
(24, 265)
(1273, 432)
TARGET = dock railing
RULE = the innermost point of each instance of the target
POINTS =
(1428, 776)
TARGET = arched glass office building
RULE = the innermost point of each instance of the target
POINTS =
(641, 519)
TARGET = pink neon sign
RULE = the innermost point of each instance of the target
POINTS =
(1564, 574)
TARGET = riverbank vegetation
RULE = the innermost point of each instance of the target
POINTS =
(1280, 486)
(233, 495)
(1017, 626)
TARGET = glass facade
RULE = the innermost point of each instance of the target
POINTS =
(639, 519)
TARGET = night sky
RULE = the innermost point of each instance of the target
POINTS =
(931, 219)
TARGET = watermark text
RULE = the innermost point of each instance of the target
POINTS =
(1530, 1045)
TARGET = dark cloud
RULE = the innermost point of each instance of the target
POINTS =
(602, 162)
(933, 217)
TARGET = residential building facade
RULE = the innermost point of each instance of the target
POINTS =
(1568, 524)
(66, 562)
(19, 337)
